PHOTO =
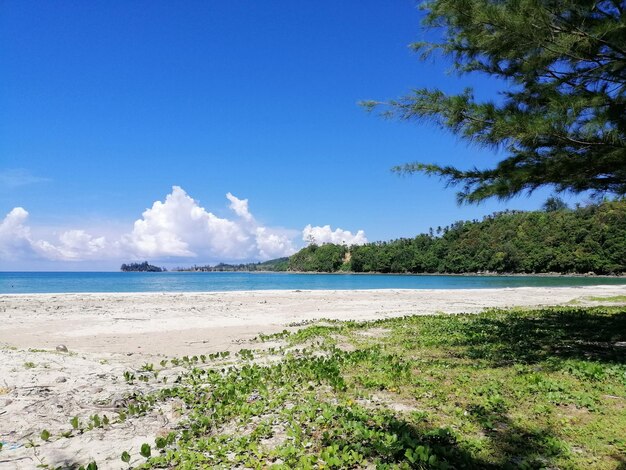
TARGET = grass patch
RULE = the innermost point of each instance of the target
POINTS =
(615, 298)
(501, 389)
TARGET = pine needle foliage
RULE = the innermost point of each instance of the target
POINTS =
(561, 121)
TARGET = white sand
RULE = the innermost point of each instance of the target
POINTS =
(108, 334)
(185, 323)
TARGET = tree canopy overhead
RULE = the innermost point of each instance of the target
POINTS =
(562, 120)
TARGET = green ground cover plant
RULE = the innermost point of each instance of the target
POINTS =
(614, 298)
(501, 389)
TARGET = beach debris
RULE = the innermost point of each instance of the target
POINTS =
(62, 348)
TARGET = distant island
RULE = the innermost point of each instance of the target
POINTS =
(142, 268)
(278, 264)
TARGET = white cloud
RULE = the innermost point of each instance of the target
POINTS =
(325, 234)
(179, 227)
(15, 235)
(73, 245)
(16, 241)
(175, 228)
(272, 244)
(240, 207)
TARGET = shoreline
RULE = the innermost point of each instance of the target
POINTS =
(477, 274)
(196, 322)
(377, 273)
(296, 290)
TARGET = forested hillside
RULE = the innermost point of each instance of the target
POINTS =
(582, 240)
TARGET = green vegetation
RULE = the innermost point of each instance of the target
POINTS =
(278, 264)
(323, 258)
(587, 239)
(141, 267)
(502, 389)
(561, 117)
(615, 298)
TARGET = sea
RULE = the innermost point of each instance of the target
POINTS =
(75, 282)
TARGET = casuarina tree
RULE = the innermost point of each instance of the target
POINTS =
(561, 121)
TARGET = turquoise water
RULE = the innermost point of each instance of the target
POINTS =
(59, 282)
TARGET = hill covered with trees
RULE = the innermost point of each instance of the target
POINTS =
(582, 240)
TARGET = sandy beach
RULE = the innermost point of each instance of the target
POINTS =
(192, 323)
(108, 334)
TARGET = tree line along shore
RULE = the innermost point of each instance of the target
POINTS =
(588, 239)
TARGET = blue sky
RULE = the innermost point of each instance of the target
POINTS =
(105, 106)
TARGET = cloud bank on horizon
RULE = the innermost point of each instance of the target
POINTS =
(175, 229)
